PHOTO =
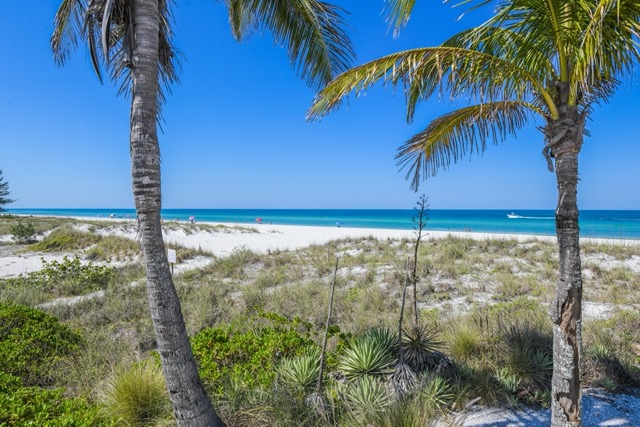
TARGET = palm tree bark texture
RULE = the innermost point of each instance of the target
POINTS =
(190, 404)
(567, 133)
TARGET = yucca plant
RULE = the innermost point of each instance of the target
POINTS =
(369, 355)
(137, 397)
(301, 371)
(418, 346)
(366, 395)
(435, 392)
(533, 366)
(403, 379)
(386, 338)
(510, 383)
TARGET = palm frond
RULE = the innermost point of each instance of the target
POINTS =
(107, 28)
(313, 31)
(398, 13)
(608, 47)
(453, 135)
(67, 29)
(423, 71)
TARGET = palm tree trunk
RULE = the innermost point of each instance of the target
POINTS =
(191, 405)
(566, 311)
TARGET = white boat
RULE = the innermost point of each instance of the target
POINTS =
(513, 215)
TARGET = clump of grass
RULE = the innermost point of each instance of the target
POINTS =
(66, 239)
(137, 396)
(465, 343)
(233, 265)
(114, 248)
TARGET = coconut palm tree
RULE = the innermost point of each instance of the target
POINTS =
(132, 41)
(548, 59)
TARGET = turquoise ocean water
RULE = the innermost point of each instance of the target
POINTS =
(593, 223)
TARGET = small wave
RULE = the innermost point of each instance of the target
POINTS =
(529, 217)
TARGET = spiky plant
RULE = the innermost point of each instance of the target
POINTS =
(402, 380)
(386, 338)
(301, 371)
(533, 366)
(366, 395)
(418, 346)
(436, 392)
(369, 355)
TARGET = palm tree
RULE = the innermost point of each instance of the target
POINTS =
(132, 41)
(552, 59)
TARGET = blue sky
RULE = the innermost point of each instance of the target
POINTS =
(235, 134)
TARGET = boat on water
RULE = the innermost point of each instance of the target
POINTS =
(513, 215)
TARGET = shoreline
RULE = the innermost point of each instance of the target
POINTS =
(266, 237)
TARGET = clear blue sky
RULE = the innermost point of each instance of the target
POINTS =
(235, 134)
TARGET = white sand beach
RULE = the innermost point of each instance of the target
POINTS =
(221, 239)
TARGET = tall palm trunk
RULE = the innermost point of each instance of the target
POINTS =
(190, 404)
(566, 134)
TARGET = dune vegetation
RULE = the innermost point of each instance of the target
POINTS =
(257, 321)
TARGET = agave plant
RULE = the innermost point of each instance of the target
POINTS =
(418, 346)
(301, 371)
(366, 395)
(369, 355)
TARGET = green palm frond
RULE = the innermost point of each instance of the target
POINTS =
(423, 71)
(608, 47)
(67, 29)
(107, 28)
(398, 12)
(313, 31)
(453, 135)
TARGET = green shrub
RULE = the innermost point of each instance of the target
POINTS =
(137, 397)
(248, 352)
(22, 233)
(66, 278)
(9, 383)
(32, 343)
(34, 406)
